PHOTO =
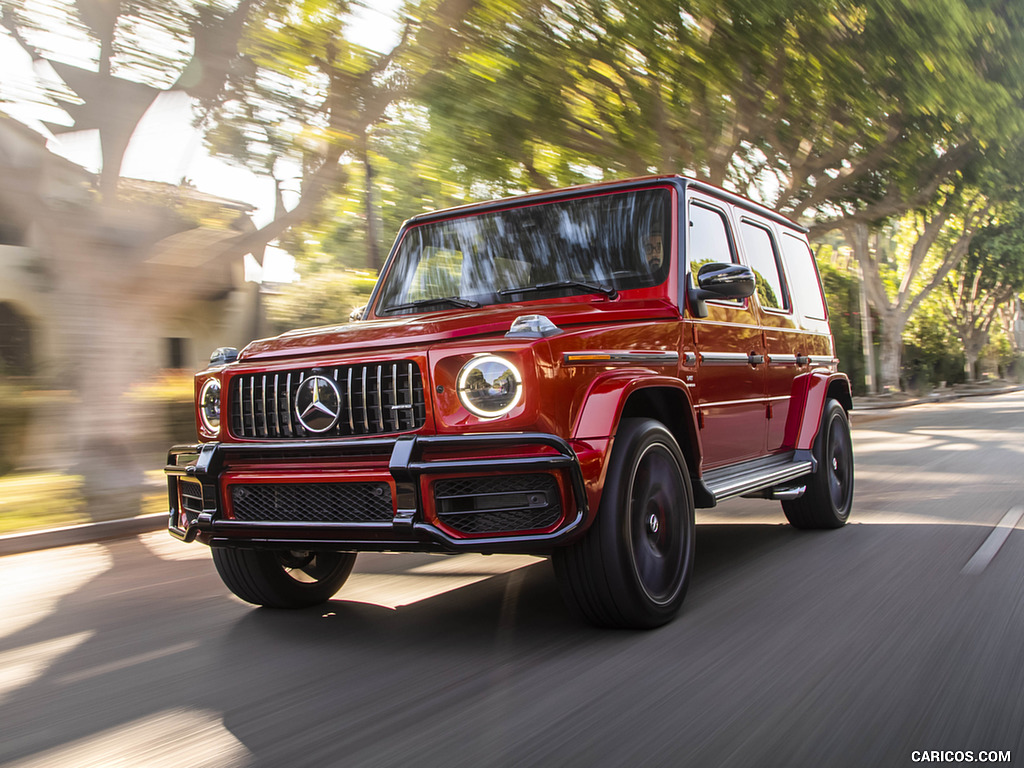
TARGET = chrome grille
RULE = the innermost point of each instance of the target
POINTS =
(375, 398)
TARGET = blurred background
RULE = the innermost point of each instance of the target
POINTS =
(178, 175)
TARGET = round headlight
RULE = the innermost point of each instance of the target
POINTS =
(490, 386)
(209, 405)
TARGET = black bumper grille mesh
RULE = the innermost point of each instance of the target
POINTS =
(498, 504)
(191, 496)
(312, 503)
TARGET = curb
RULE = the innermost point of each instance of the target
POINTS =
(86, 533)
(867, 407)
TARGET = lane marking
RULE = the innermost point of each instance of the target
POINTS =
(995, 540)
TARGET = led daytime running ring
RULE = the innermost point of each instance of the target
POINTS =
(466, 389)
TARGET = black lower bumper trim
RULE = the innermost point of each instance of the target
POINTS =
(408, 531)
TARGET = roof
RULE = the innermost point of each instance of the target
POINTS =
(552, 195)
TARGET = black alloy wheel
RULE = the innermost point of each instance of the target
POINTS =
(829, 496)
(656, 536)
(632, 567)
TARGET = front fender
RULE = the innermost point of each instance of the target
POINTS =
(607, 396)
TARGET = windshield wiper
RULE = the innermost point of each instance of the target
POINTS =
(452, 301)
(611, 293)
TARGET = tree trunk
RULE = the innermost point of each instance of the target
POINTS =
(373, 261)
(891, 344)
(101, 302)
(890, 335)
(973, 345)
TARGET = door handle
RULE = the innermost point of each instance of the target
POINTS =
(755, 359)
(802, 359)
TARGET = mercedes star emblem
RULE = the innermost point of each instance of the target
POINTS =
(318, 404)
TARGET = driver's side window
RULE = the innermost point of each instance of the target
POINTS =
(709, 238)
(708, 241)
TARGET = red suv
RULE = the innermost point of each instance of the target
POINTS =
(567, 373)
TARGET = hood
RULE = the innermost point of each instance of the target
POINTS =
(433, 327)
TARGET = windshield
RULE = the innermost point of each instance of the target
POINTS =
(600, 244)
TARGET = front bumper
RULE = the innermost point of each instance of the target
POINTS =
(197, 476)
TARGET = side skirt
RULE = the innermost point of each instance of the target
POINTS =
(758, 476)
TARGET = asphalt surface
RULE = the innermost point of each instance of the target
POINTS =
(897, 634)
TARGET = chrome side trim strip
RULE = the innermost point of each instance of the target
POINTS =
(725, 358)
(611, 358)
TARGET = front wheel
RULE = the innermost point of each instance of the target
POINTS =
(829, 496)
(632, 567)
(283, 579)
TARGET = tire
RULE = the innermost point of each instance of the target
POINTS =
(632, 567)
(829, 496)
(283, 579)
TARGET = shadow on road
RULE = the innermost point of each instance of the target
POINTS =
(485, 666)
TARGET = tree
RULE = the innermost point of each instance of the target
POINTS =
(899, 274)
(850, 113)
(867, 103)
(987, 281)
(308, 101)
(315, 98)
(94, 243)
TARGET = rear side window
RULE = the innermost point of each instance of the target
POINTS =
(803, 277)
(759, 247)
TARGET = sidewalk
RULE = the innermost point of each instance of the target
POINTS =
(15, 543)
(868, 403)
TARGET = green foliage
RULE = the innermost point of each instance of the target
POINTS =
(15, 410)
(1007, 362)
(843, 296)
(996, 255)
(324, 298)
(932, 352)
(40, 500)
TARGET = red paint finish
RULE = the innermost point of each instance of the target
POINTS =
(737, 384)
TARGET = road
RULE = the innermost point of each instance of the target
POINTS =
(899, 633)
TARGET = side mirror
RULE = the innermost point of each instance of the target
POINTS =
(718, 280)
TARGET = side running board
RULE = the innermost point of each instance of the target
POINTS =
(750, 477)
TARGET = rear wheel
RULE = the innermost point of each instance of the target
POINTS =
(632, 567)
(283, 579)
(829, 496)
